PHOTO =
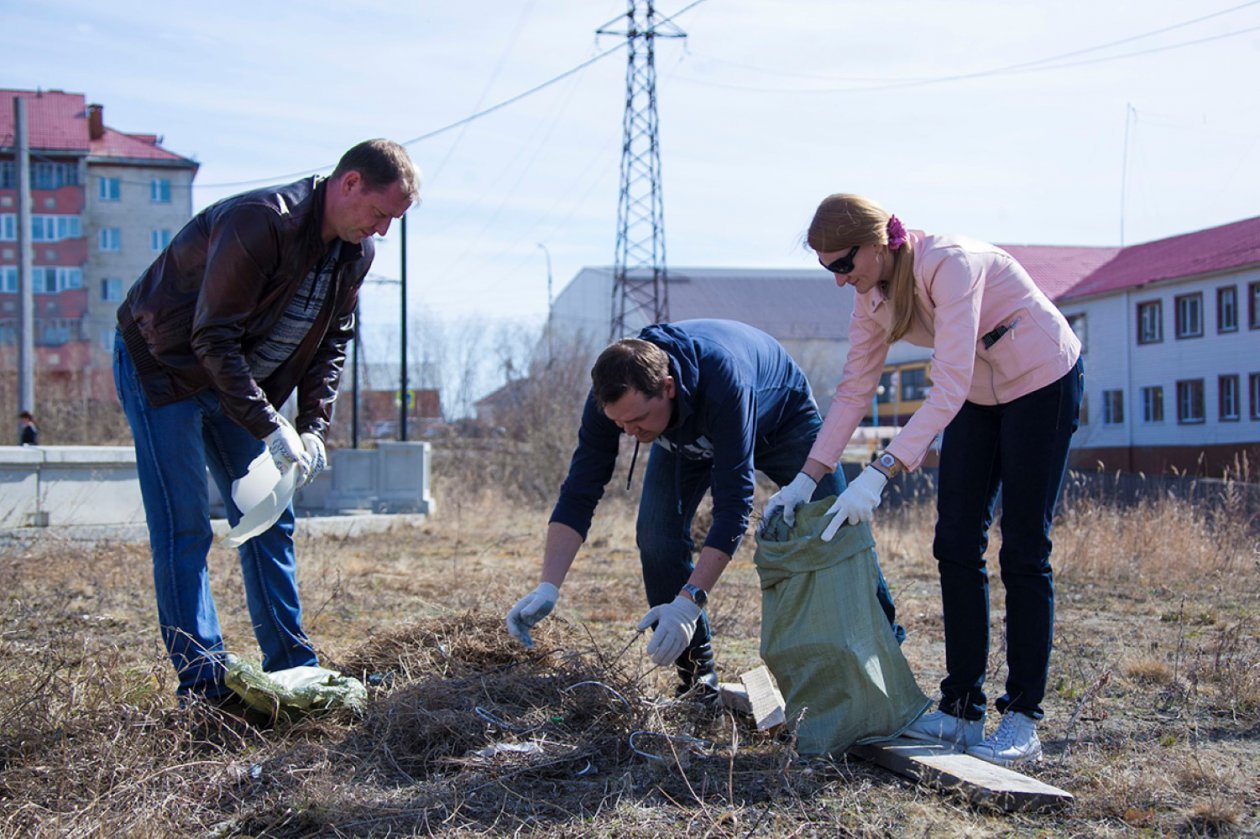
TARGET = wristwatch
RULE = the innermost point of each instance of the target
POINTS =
(697, 594)
(887, 464)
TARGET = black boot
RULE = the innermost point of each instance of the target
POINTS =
(697, 673)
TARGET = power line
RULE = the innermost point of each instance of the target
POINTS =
(1036, 65)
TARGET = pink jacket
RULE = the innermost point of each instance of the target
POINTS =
(964, 289)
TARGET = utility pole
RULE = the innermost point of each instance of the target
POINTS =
(639, 276)
(26, 292)
(403, 396)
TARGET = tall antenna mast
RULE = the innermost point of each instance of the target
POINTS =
(639, 263)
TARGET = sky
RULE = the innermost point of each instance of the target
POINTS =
(995, 118)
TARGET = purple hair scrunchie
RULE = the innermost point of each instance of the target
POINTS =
(896, 233)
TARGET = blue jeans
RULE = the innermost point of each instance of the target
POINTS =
(663, 530)
(174, 445)
(1021, 448)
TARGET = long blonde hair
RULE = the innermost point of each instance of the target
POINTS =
(842, 221)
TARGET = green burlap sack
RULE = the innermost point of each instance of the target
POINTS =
(294, 692)
(825, 638)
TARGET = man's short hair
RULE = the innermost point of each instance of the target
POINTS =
(381, 163)
(629, 364)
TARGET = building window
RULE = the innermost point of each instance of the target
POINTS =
(55, 228)
(914, 384)
(8, 174)
(1254, 384)
(111, 289)
(1227, 390)
(50, 280)
(110, 239)
(1253, 295)
(1113, 407)
(1227, 309)
(1153, 404)
(1077, 322)
(160, 191)
(1190, 401)
(108, 189)
(159, 239)
(51, 175)
(1150, 316)
(8, 227)
(8, 279)
(1189, 315)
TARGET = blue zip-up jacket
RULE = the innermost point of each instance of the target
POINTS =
(736, 386)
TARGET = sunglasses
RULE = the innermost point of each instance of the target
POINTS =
(844, 264)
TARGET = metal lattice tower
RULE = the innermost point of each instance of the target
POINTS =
(639, 263)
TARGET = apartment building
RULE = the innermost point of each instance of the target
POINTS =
(104, 202)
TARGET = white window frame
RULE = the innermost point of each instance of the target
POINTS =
(109, 239)
(1189, 315)
(1227, 308)
(1228, 401)
(1153, 404)
(108, 188)
(1150, 317)
(111, 289)
(1113, 407)
(160, 190)
(1191, 411)
(1080, 325)
(8, 279)
(159, 238)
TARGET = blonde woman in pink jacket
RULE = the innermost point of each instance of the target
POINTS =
(1007, 380)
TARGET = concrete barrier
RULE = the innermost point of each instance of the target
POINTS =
(97, 485)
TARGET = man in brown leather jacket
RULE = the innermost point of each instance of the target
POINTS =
(254, 298)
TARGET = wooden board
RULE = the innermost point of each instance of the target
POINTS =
(765, 699)
(976, 780)
(735, 697)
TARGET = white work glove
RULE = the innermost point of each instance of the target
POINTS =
(858, 501)
(313, 444)
(675, 624)
(529, 610)
(789, 498)
(287, 450)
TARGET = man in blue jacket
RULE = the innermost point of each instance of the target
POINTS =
(719, 399)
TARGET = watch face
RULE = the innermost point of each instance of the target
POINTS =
(697, 594)
(887, 461)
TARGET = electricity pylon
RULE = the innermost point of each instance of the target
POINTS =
(639, 262)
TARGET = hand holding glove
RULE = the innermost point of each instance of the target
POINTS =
(788, 499)
(313, 445)
(287, 450)
(675, 624)
(858, 501)
(531, 609)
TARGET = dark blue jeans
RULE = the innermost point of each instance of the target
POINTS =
(174, 445)
(1020, 448)
(664, 530)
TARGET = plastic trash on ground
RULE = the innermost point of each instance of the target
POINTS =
(296, 691)
(261, 495)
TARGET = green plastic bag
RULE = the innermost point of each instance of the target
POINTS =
(296, 691)
(825, 638)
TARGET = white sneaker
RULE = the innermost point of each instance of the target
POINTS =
(1015, 741)
(946, 728)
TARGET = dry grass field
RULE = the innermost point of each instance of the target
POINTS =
(1153, 717)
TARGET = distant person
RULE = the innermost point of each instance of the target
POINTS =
(1007, 380)
(28, 435)
(253, 299)
(719, 400)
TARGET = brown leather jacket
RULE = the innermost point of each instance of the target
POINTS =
(218, 290)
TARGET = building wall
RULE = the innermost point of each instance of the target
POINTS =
(136, 215)
(1115, 361)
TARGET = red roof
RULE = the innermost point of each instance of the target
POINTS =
(58, 121)
(1189, 255)
(1057, 268)
(55, 120)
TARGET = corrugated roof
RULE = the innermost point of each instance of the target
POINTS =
(1056, 269)
(1206, 251)
(56, 121)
